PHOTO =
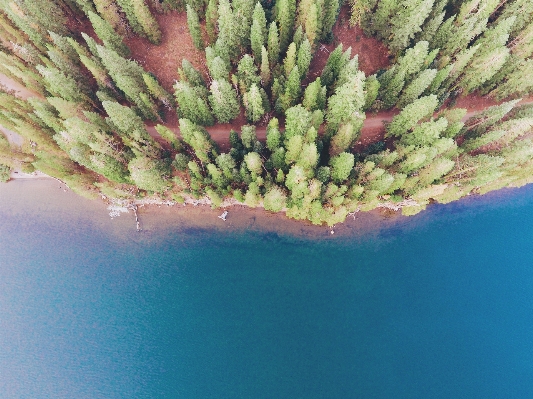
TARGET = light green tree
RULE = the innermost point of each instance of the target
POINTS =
(194, 28)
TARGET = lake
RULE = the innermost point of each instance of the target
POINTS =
(439, 305)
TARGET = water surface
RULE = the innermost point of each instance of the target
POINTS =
(435, 306)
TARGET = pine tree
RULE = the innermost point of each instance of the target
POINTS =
(106, 33)
(331, 10)
(223, 100)
(258, 33)
(191, 105)
(518, 82)
(218, 69)
(490, 57)
(304, 57)
(253, 104)
(411, 114)
(273, 45)
(314, 96)
(127, 75)
(290, 59)
(311, 23)
(275, 199)
(147, 21)
(194, 28)
(265, 67)
(247, 73)
(169, 136)
(391, 85)
(199, 140)
(341, 166)
(297, 122)
(109, 10)
(416, 87)
(211, 17)
(150, 174)
(228, 30)
(372, 86)
(157, 91)
(63, 85)
(412, 62)
(191, 75)
(407, 21)
(127, 8)
(131, 129)
(273, 135)
(332, 68)
(48, 15)
(285, 16)
(292, 91)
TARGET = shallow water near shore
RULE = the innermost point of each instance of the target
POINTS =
(439, 305)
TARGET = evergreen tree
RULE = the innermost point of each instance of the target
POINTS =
(290, 59)
(199, 140)
(265, 67)
(228, 29)
(191, 75)
(416, 87)
(304, 58)
(332, 68)
(311, 24)
(347, 102)
(150, 174)
(211, 17)
(372, 86)
(157, 91)
(258, 33)
(253, 103)
(273, 135)
(131, 129)
(247, 73)
(331, 10)
(285, 16)
(341, 166)
(407, 21)
(147, 21)
(292, 91)
(273, 44)
(411, 114)
(109, 10)
(489, 58)
(315, 96)
(275, 199)
(194, 28)
(191, 105)
(223, 100)
(391, 85)
(107, 34)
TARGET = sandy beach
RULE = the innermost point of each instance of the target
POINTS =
(45, 193)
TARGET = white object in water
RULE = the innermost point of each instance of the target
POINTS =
(223, 216)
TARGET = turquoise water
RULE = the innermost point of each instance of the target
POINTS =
(438, 306)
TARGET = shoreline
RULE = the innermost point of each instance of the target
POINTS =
(155, 216)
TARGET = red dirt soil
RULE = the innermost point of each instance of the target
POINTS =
(165, 59)
(373, 55)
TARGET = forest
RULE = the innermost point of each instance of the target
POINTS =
(106, 123)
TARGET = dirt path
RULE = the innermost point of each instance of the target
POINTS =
(20, 90)
(373, 127)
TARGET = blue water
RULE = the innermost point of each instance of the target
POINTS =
(438, 306)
